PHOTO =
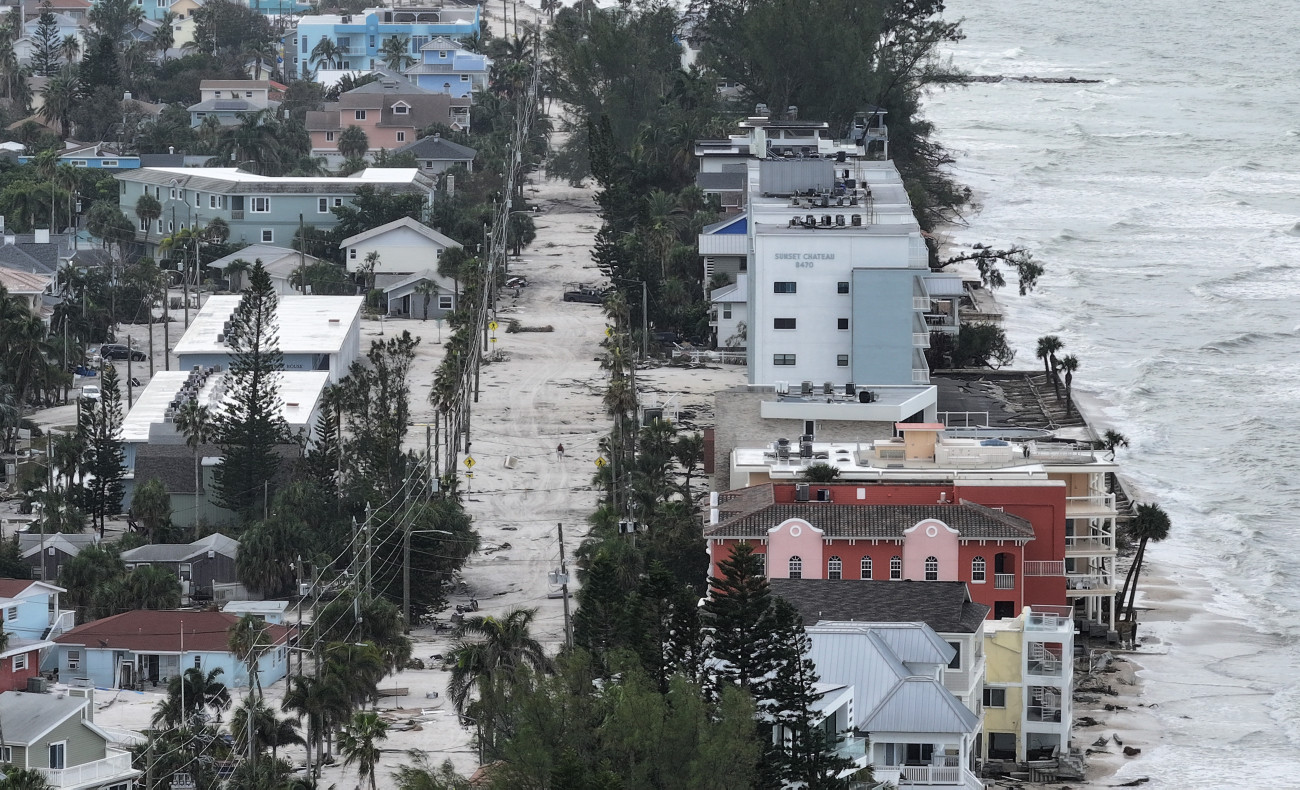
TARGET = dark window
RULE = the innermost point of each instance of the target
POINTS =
(784, 288)
(1004, 610)
(932, 569)
(895, 567)
(796, 567)
(842, 288)
(783, 359)
(842, 360)
(783, 323)
(956, 656)
(834, 568)
(843, 323)
(995, 698)
(866, 567)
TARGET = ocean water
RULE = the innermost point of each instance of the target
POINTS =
(1165, 203)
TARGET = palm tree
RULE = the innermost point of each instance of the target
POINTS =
(70, 48)
(360, 743)
(396, 51)
(1048, 345)
(353, 142)
(368, 267)
(326, 53)
(61, 93)
(1112, 440)
(148, 209)
(495, 665)
(355, 670)
(164, 38)
(820, 473)
(269, 730)
(194, 421)
(249, 640)
(1150, 523)
(320, 703)
(428, 289)
(24, 779)
(201, 692)
(1069, 363)
(549, 7)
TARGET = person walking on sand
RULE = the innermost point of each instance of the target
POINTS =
(559, 452)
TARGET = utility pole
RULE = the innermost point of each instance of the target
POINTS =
(167, 332)
(406, 578)
(564, 588)
(302, 256)
(130, 389)
(65, 340)
(645, 325)
(370, 580)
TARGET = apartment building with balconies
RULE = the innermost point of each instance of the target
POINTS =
(359, 38)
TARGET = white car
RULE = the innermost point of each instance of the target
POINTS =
(90, 391)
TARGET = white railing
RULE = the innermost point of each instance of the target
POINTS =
(1004, 581)
(1080, 582)
(1044, 567)
(66, 621)
(920, 376)
(1050, 618)
(1094, 502)
(929, 775)
(1045, 668)
(116, 764)
(1090, 543)
(920, 303)
(920, 339)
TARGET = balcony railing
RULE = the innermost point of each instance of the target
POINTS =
(957, 681)
(114, 766)
(1102, 504)
(939, 320)
(237, 213)
(1090, 544)
(1046, 668)
(1047, 713)
(920, 376)
(1044, 567)
(1089, 583)
(920, 303)
(929, 775)
(1050, 618)
(65, 621)
(1004, 581)
(851, 748)
(920, 339)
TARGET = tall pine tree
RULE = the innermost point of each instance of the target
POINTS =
(46, 42)
(100, 426)
(251, 424)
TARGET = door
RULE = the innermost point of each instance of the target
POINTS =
(150, 670)
(1004, 610)
(919, 753)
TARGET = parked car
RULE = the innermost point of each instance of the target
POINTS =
(90, 391)
(666, 338)
(119, 351)
(518, 281)
(578, 292)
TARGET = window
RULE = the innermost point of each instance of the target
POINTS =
(796, 567)
(360, 115)
(372, 42)
(783, 359)
(6, 754)
(955, 663)
(932, 569)
(442, 53)
(57, 754)
(444, 301)
(329, 137)
(322, 205)
(108, 163)
(248, 94)
(352, 253)
(338, 202)
(170, 226)
(198, 662)
(20, 662)
(995, 698)
(401, 109)
(895, 567)
(172, 193)
(866, 567)
(401, 137)
(784, 288)
(841, 288)
(268, 235)
(842, 360)
(303, 40)
(160, 226)
(198, 200)
(977, 568)
(212, 202)
(185, 570)
(762, 564)
(842, 323)
(834, 568)
(144, 225)
(726, 311)
(74, 659)
(260, 205)
(783, 323)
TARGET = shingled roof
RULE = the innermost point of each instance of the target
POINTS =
(160, 632)
(751, 512)
(944, 606)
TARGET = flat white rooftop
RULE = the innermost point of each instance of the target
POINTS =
(371, 175)
(305, 324)
(299, 393)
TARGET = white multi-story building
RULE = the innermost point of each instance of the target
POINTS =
(1029, 677)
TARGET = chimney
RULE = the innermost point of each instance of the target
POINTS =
(171, 149)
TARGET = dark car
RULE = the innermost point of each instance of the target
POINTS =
(666, 338)
(119, 351)
(584, 293)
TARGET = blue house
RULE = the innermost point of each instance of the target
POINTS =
(146, 648)
(31, 608)
(96, 156)
(445, 67)
(360, 37)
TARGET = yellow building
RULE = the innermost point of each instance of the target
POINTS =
(1029, 666)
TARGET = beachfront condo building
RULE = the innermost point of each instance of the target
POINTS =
(1056, 490)
(357, 40)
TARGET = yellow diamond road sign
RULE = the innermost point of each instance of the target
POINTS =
(492, 325)
(469, 462)
(600, 463)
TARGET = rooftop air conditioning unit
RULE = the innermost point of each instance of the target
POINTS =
(828, 388)
(782, 388)
(839, 219)
(826, 219)
(796, 221)
(810, 221)
(856, 219)
(823, 495)
(801, 492)
(850, 389)
(805, 388)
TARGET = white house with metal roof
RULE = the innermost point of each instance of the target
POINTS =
(405, 246)
(919, 732)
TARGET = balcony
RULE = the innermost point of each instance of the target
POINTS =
(1050, 618)
(237, 213)
(920, 376)
(1095, 505)
(61, 623)
(116, 766)
(851, 748)
(920, 303)
(1044, 567)
(1043, 713)
(1089, 584)
(1004, 581)
(1045, 667)
(920, 339)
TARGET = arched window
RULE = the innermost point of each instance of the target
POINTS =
(834, 568)
(895, 567)
(796, 567)
(866, 567)
(932, 569)
(977, 568)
